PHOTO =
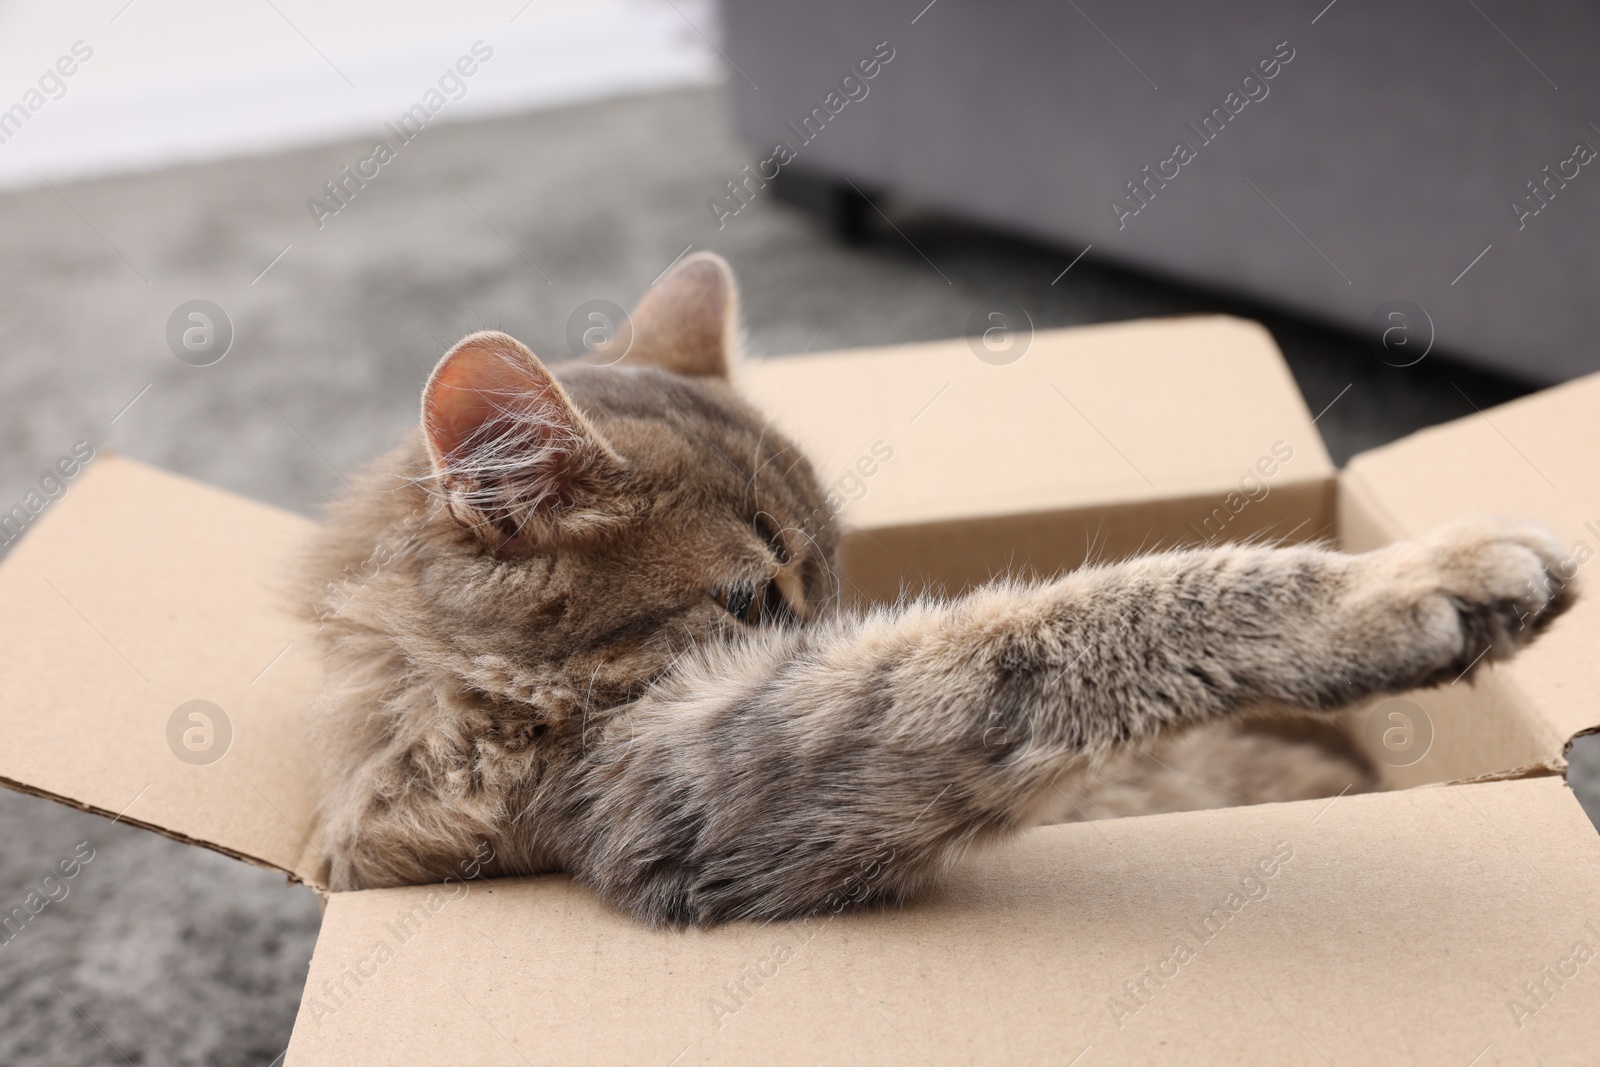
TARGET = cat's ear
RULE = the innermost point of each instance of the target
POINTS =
(688, 322)
(511, 455)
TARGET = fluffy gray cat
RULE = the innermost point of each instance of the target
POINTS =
(588, 619)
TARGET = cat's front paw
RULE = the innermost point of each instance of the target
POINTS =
(1483, 589)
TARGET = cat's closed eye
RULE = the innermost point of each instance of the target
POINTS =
(739, 600)
(754, 603)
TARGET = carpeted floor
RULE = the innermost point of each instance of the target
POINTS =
(167, 954)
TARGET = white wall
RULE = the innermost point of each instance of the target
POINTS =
(177, 80)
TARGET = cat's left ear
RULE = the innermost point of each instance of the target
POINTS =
(688, 322)
(513, 457)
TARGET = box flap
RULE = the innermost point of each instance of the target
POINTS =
(137, 593)
(1536, 458)
(1139, 434)
(1412, 922)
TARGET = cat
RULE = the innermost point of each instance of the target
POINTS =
(588, 618)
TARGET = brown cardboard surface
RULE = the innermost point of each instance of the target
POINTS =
(137, 592)
(1400, 931)
(1116, 437)
(1537, 458)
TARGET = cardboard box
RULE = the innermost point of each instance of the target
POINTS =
(1448, 924)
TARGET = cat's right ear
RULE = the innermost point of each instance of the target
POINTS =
(688, 322)
(512, 457)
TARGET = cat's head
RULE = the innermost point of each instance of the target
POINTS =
(624, 509)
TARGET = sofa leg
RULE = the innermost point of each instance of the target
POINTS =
(847, 210)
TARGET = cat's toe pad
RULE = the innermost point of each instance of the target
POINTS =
(1495, 584)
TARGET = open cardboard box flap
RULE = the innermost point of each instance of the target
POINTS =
(142, 591)
(1099, 440)
(137, 593)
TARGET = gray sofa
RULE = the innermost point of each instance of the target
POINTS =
(1420, 173)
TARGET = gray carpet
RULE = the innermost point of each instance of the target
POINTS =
(166, 954)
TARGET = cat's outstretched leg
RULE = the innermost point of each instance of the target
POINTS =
(809, 768)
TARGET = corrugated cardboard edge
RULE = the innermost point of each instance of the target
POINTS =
(255, 861)
(1552, 768)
